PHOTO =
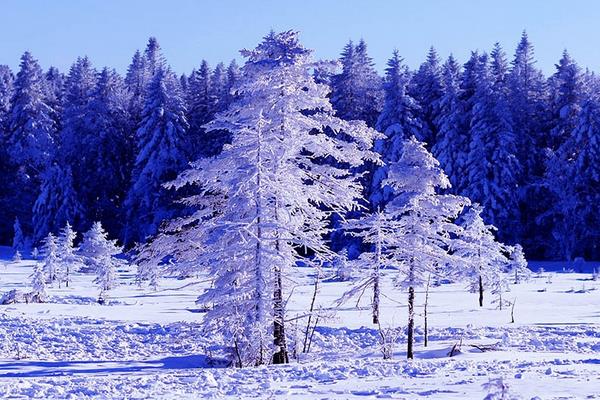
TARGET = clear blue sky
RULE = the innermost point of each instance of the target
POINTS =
(109, 31)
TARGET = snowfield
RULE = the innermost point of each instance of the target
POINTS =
(148, 344)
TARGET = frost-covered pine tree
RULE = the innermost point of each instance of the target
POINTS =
(39, 293)
(50, 259)
(424, 221)
(17, 256)
(573, 179)
(162, 153)
(263, 198)
(99, 255)
(356, 92)
(492, 168)
(398, 121)
(19, 242)
(378, 231)
(344, 269)
(528, 99)
(107, 152)
(31, 137)
(201, 108)
(67, 253)
(483, 257)
(426, 88)
(566, 94)
(57, 202)
(451, 147)
(6, 92)
(518, 266)
(78, 89)
(136, 81)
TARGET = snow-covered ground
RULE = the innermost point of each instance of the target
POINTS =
(148, 344)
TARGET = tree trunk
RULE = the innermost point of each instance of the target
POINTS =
(376, 297)
(281, 354)
(411, 323)
(376, 288)
(480, 291)
(426, 334)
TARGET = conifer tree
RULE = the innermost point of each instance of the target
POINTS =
(356, 91)
(39, 293)
(565, 103)
(451, 147)
(426, 88)
(50, 258)
(424, 221)
(107, 152)
(398, 121)
(99, 254)
(483, 256)
(31, 127)
(162, 154)
(57, 202)
(67, 253)
(492, 169)
(19, 242)
(253, 219)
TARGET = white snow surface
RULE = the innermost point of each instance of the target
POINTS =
(148, 344)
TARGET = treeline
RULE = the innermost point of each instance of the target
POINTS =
(92, 145)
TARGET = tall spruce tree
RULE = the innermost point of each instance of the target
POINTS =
(31, 140)
(106, 152)
(451, 147)
(162, 152)
(565, 101)
(357, 91)
(263, 198)
(398, 121)
(426, 88)
(492, 168)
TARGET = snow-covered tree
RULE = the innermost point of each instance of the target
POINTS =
(398, 121)
(29, 142)
(356, 91)
(79, 85)
(378, 231)
(344, 268)
(99, 255)
(423, 221)
(32, 130)
(67, 253)
(107, 152)
(484, 258)
(162, 154)
(518, 266)
(39, 293)
(492, 168)
(426, 88)
(565, 102)
(451, 147)
(19, 242)
(6, 92)
(136, 81)
(528, 99)
(17, 256)
(57, 202)
(573, 178)
(262, 200)
(201, 108)
(50, 259)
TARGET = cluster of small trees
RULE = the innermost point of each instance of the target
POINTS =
(265, 204)
(60, 258)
